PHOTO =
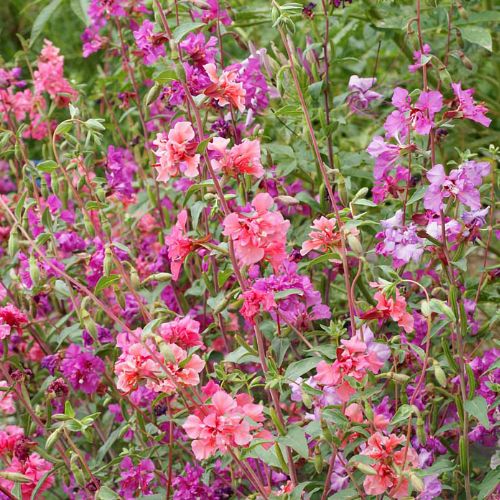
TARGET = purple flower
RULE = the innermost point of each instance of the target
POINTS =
(120, 170)
(432, 488)
(200, 51)
(70, 242)
(82, 369)
(419, 117)
(213, 12)
(399, 241)
(475, 218)
(136, 480)
(190, 484)
(389, 185)
(360, 94)
(461, 183)
(303, 304)
(51, 363)
(6, 183)
(386, 155)
(150, 43)
(92, 41)
(468, 108)
(419, 59)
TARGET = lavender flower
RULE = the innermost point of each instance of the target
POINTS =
(399, 241)
(360, 94)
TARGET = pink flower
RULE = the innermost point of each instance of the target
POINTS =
(360, 94)
(419, 59)
(9, 436)
(225, 89)
(242, 158)
(389, 477)
(6, 400)
(386, 156)
(468, 108)
(179, 244)
(353, 360)
(323, 238)
(223, 424)
(419, 117)
(260, 235)
(150, 43)
(11, 317)
(393, 308)
(49, 77)
(254, 300)
(177, 152)
(185, 332)
(34, 468)
(461, 183)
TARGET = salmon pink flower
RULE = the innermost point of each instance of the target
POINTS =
(177, 152)
(242, 158)
(185, 332)
(6, 400)
(260, 235)
(179, 244)
(388, 464)
(225, 423)
(323, 238)
(256, 300)
(225, 89)
(353, 360)
(390, 308)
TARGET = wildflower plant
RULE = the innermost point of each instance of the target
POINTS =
(248, 250)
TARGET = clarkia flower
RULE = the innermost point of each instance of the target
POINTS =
(399, 241)
(199, 50)
(461, 183)
(82, 369)
(467, 108)
(360, 95)
(177, 152)
(11, 318)
(225, 89)
(243, 158)
(185, 332)
(6, 400)
(136, 480)
(179, 244)
(389, 460)
(223, 424)
(419, 58)
(260, 235)
(151, 44)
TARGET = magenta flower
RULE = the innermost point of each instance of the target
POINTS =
(468, 108)
(82, 369)
(150, 43)
(200, 51)
(136, 480)
(461, 183)
(419, 117)
(419, 59)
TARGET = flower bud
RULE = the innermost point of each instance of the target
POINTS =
(416, 482)
(440, 375)
(355, 244)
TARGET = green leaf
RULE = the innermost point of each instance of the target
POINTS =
(64, 127)
(286, 293)
(296, 439)
(106, 493)
(45, 14)
(80, 8)
(402, 415)
(298, 368)
(106, 281)
(183, 29)
(47, 166)
(165, 76)
(478, 408)
(489, 483)
(440, 307)
(479, 36)
(417, 195)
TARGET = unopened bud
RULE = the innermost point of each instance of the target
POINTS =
(355, 244)
(440, 375)
(416, 482)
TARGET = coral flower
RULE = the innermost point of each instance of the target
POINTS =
(223, 424)
(261, 235)
(323, 237)
(185, 332)
(242, 158)
(225, 89)
(11, 317)
(179, 244)
(177, 152)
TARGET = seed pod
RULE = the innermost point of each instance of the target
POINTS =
(422, 437)
(416, 482)
(154, 93)
(13, 245)
(440, 375)
(355, 244)
(277, 422)
(425, 308)
(89, 227)
(108, 261)
(454, 299)
(318, 460)
(449, 357)
(462, 453)
(472, 381)
(281, 458)
(52, 439)
(134, 278)
(16, 477)
(120, 298)
(34, 271)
